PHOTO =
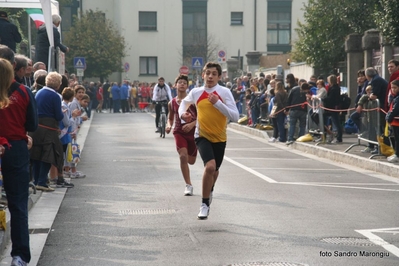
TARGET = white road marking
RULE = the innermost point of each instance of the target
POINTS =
(267, 179)
(335, 186)
(379, 241)
(299, 169)
(271, 159)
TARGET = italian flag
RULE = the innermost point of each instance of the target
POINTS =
(36, 14)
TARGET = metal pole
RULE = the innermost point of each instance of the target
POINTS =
(29, 38)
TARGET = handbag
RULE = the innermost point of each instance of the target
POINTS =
(385, 143)
(75, 152)
(273, 111)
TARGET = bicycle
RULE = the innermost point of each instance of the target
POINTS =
(162, 118)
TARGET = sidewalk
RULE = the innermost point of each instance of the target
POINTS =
(43, 208)
(335, 152)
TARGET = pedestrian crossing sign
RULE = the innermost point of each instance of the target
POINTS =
(79, 62)
(197, 62)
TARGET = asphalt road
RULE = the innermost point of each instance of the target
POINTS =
(271, 206)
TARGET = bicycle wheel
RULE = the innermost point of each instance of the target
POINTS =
(163, 125)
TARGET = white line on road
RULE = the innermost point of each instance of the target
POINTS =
(271, 159)
(267, 179)
(299, 169)
(379, 241)
(335, 186)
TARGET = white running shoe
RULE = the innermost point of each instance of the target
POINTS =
(188, 191)
(204, 212)
(272, 140)
(17, 261)
(393, 159)
(77, 174)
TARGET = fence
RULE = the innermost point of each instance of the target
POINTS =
(369, 125)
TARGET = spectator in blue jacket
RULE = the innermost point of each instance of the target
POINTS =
(124, 93)
(116, 97)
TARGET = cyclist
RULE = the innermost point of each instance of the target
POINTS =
(183, 132)
(161, 94)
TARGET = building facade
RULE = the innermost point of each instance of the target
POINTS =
(164, 35)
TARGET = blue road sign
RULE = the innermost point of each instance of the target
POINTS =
(79, 62)
(197, 62)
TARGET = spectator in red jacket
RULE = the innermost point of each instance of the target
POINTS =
(16, 119)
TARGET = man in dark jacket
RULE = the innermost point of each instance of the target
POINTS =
(9, 34)
(43, 44)
(297, 113)
(379, 88)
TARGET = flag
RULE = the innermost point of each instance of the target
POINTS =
(36, 14)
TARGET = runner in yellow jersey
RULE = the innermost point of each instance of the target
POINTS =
(215, 107)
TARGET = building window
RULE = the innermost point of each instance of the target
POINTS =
(195, 36)
(236, 18)
(148, 65)
(279, 25)
(147, 21)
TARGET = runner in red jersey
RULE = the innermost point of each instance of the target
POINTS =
(183, 132)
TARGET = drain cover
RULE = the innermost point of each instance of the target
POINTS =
(348, 241)
(39, 231)
(269, 264)
(147, 212)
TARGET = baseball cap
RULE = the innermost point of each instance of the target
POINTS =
(3, 14)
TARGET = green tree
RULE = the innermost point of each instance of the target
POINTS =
(387, 19)
(95, 38)
(327, 23)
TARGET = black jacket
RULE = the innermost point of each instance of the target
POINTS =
(9, 34)
(295, 97)
(43, 44)
(333, 98)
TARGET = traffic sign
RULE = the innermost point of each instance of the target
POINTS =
(80, 72)
(184, 70)
(221, 53)
(197, 62)
(79, 62)
(126, 67)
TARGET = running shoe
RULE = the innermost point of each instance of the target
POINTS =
(77, 174)
(188, 191)
(65, 183)
(45, 188)
(393, 159)
(272, 140)
(17, 261)
(204, 212)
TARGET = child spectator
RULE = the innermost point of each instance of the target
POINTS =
(66, 126)
(357, 115)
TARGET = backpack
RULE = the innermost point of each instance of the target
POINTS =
(344, 101)
(350, 127)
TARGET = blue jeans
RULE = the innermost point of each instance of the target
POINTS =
(357, 119)
(254, 115)
(336, 122)
(296, 115)
(281, 127)
(15, 169)
(117, 105)
(40, 172)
